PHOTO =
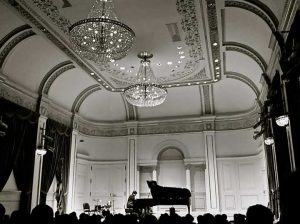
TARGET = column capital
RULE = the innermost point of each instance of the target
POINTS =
(188, 166)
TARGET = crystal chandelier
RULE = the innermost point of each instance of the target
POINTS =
(145, 92)
(101, 37)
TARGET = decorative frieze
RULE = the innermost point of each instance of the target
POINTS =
(17, 97)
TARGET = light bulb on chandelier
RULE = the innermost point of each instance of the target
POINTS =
(101, 37)
(145, 92)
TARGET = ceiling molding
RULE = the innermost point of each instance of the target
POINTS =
(245, 49)
(13, 33)
(14, 42)
(47, 76)
(214, 36)
(52, 75)
(18, 95)
(83, 95)
(273, 24)
(266, 9)
(244, 79)
(131, 111)
(51, 11)
(206, 91)
(39, 23)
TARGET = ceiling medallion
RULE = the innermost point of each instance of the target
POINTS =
(145, 92)
(101, 37)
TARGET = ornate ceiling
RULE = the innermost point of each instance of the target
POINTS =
(209, 54)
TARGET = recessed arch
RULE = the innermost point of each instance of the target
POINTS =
(266, 9)
(50, 77)
(46, 77)
(83, 95)
(170, 143)
(14, 42)
(175, 154)
(245, 49)
(260, 11)
(244, 79)
(13, 33)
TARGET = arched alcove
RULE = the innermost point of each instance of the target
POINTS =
(171, 169)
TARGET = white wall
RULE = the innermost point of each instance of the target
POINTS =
(150, 145)
(236, 143)
(103, 148)
(241, 176)
(242, 183)
(102, 183)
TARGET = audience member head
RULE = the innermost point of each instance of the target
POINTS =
(18, 217)
(42, 214)
(239, 219)
(188, 219)
(172, 211)
(2, 213)
(208, 218)
(200, 219)
(2, 210)
(291, 200)
(259, 214)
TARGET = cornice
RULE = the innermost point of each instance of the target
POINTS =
(18, 95)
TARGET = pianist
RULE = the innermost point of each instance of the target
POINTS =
(131, 200)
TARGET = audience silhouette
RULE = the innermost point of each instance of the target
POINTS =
(259, 214)
(43, 214)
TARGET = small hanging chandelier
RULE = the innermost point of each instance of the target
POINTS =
(101, 37)
(282, 120)
(145, 92)
(269, 140)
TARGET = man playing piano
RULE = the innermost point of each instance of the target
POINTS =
(131, 201)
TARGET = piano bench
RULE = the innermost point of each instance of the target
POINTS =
(128, 210)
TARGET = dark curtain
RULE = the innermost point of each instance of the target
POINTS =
(18, 148)
(23, 169)
(18, 137)
(65, 175)
(57, 155)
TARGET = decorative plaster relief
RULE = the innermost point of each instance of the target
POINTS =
(51, 11)
(13, 33)
(13, 43)
(214, 34)
(54, 76)
(17, 97)
(249, 52)
(272, 24)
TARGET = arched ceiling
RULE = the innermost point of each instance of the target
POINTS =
(226, 46)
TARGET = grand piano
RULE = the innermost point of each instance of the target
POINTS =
(164, 196)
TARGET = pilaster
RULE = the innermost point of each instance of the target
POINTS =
(211, 177)
(72, 171)
(132, 161)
